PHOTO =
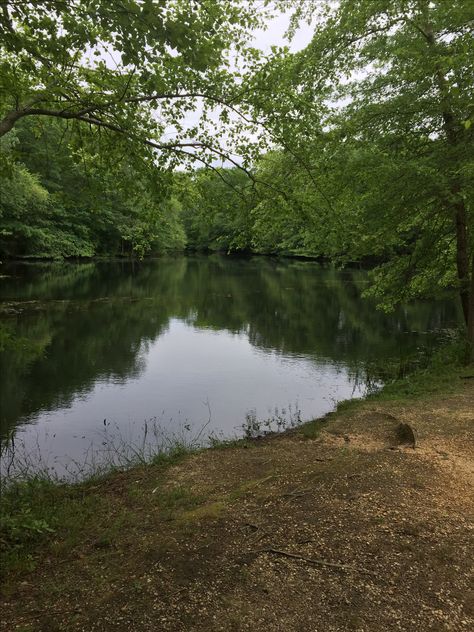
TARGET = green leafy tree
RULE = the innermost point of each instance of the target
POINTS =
(129, 69)
(215, 209)
(59, 200)
(376, 114)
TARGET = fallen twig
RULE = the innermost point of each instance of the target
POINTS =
(319, 562)
(262, 480)
(298, 492)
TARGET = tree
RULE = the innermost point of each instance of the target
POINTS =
(216, 210)
(60, 200)
(378, 110)
(130, 69)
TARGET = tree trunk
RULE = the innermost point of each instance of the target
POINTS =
(456, 203)
(462, 259)
(470, 320)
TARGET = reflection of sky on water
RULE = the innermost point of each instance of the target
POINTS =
(165, 339)
(184, 373)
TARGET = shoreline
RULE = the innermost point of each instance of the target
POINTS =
(219, 538)
(411, 385)
(323, 260)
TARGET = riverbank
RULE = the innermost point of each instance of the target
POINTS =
(339, 525)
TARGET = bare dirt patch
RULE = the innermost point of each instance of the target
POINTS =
(345, 531)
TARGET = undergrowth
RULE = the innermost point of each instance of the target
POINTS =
(35, 508)
(439, 373)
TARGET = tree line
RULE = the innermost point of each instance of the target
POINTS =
(358, 147)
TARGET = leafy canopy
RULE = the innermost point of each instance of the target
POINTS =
(374, 124)
(131, 69)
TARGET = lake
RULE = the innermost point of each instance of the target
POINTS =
(98, 358)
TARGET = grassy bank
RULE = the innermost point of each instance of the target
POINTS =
(129, 546)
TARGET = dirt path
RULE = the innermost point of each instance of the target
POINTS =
(344, 530)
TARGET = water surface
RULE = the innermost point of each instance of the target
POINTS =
(191, 345)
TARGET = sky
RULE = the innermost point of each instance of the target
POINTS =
(264, 39)
(274, 35)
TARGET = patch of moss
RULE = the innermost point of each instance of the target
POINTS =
(208, 511)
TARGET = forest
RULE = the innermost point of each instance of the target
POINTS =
(138, 127)
(236, 315)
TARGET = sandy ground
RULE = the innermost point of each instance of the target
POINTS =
(346, 530)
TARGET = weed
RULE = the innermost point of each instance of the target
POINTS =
(175, 501)
(172, 456)
(278, 421)
(212, 510)
(440, 375)
(312, 429)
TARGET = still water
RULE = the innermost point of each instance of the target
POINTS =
(94, 356)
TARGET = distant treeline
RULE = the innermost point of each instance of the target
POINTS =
(60, 201)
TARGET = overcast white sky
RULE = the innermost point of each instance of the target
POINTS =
(273, 35)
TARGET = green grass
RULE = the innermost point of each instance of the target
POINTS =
(43, 511)
(173, 456)
(33, 511)
(442, 374)
(38, 513)
(176, 501)
(312, 429)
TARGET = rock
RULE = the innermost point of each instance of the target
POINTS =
(406, 434)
